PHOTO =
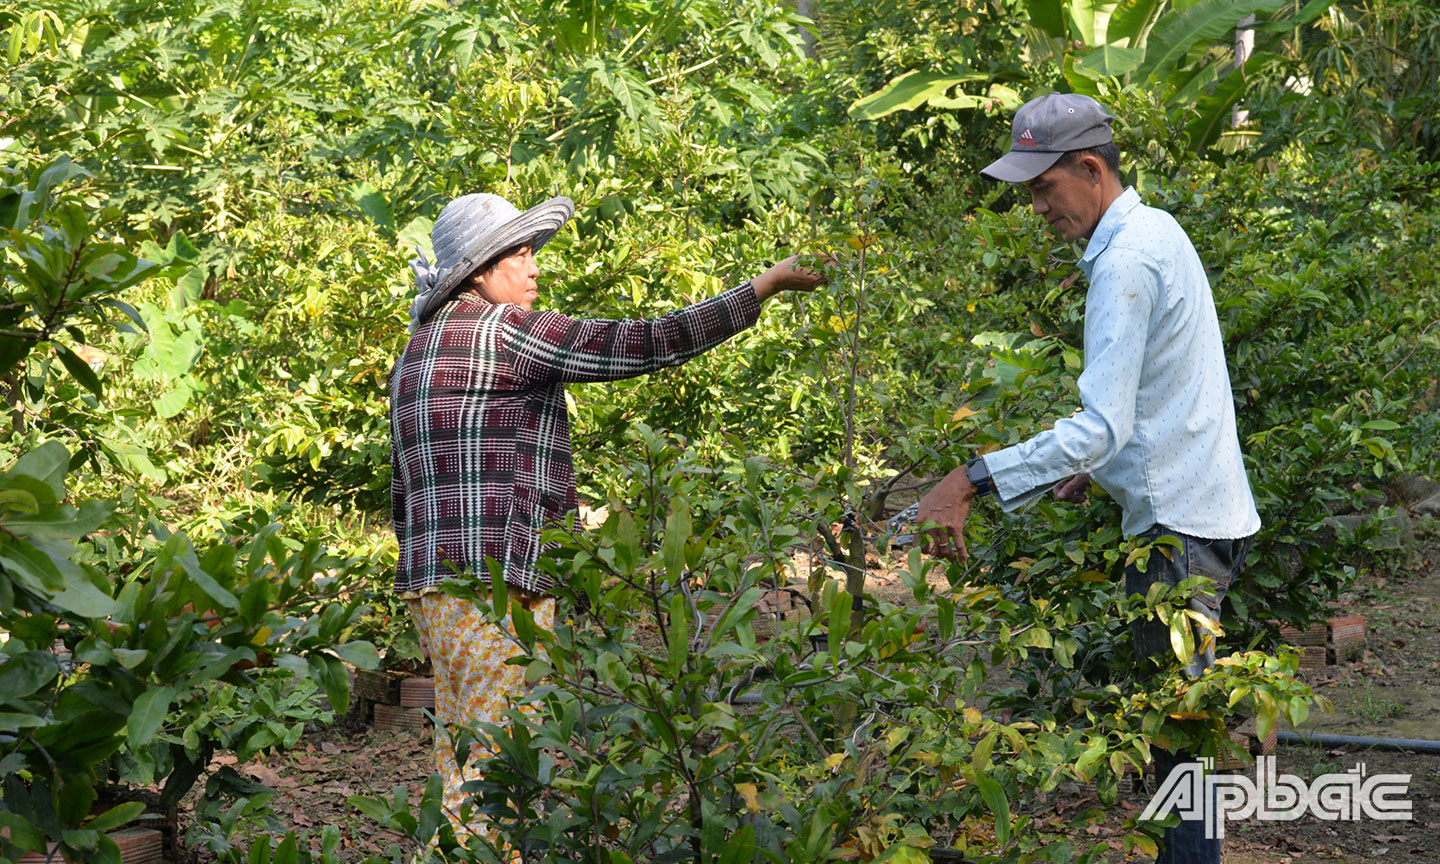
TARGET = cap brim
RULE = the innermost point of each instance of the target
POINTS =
(1020, 166)
(535, 226)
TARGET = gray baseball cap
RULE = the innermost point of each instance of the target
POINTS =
(1047, 128)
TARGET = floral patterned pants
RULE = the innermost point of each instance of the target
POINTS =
(473, 684)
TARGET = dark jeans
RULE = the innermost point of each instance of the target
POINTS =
(1221, 561)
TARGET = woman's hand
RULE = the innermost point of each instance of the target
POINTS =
(786, 276)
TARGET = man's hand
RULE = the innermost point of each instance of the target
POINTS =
(786, 276)
(1073, 490)
(948, 505)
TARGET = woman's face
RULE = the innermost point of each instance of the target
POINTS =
(511, 280)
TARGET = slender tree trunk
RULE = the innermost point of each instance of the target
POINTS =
(807, 35)
(1244, 47)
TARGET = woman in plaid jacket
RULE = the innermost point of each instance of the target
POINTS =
(480, 435)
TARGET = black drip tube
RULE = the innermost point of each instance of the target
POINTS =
(1419, 745)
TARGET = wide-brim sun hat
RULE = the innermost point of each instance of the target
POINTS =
(469, 233)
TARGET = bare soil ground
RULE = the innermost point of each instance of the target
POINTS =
(1393, 690)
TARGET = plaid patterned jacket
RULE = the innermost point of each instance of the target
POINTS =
(480, 436)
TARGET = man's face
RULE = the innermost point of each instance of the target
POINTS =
(1069, 198)
(512, 280)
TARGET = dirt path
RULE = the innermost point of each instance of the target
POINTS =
(1392, 691)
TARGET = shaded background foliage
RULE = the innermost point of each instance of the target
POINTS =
(208, 208)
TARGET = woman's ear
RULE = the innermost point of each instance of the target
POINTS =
(476, 282)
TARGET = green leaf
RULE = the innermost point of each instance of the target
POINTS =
(179, 550)
(372, 204)
(1182, 639)
(116, 816)
(58, 523)
(11, 721)
(1048, 16)
(173, 400)
(85, 600)
(1091, 19)
(131, 657)
(536, 671)
(17, 41)
(908, 92)
(980, 759)
(26, 673)
(679, 633)
(30, 496)
(188, 287)
(839, 623)
(1081, 79)
(1265, 719)
(1207, 21)
(329, 673)
(80, 371)
(499, 592)
(735, 613)
(998, 803)
(1111, 60)
(18, 499)
(287, 852)
(1312, 10)
(677, 533)
(114, 268)
(1129, 21)
(147, 715)
(32, 567)
(46, 463)
(361, 655)
(1299, 709)
(1064, 650)
(375, 808)
(416, 235)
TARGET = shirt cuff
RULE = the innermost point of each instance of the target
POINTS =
(1014, 484)
(746, 303)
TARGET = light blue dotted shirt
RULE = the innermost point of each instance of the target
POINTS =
(1156, 427)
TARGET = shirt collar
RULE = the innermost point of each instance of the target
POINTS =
(1109, 223)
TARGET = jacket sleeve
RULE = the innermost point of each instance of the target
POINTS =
(548, 347)
(1125, 289)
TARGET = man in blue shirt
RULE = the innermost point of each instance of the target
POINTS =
(1156, 427)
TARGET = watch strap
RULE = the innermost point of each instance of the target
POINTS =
(979, 476)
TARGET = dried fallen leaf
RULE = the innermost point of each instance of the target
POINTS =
(262, 774)
(330, 747)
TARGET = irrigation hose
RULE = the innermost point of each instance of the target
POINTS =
(1418, 745)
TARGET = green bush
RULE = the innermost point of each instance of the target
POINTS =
(665, 728)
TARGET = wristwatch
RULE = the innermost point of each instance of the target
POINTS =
(979, 476)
